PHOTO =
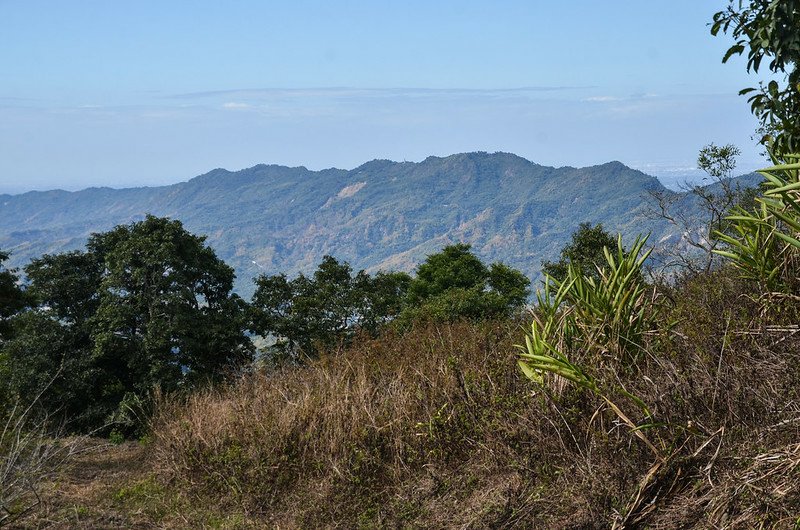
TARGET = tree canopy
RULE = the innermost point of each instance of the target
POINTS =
(12, 299)
(454, 283)
(584, 251)
(309, 313)
(165, 309)
(146, 305)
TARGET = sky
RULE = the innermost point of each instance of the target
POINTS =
(99, 93)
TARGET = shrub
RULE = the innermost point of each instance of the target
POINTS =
(764, 244)
(594, 318)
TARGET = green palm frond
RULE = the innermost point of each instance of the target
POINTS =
(764, 241)
(581, 313)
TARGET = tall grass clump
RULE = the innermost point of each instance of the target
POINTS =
(609, 336)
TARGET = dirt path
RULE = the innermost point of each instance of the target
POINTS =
(90, 492)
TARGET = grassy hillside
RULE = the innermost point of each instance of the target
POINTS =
(438, 428)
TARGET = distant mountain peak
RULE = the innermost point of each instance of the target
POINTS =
(375, 165)
(284, 219)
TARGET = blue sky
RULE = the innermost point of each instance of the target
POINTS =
(143, 93)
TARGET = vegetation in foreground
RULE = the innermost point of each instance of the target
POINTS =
(435, 428)
(636, 405)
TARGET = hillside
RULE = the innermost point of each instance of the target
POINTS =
(381, 215)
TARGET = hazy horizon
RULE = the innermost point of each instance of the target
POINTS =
(99, 94)
(672, 178)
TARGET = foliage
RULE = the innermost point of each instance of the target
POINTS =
(718, 162)
(67, 285)
(764, 243)
(12, 298)
(695, 251)
(768, 29)
(48, 354)
(580, 314)
(454, 284)
(308, 313)
(609, 315)
(52, 342)
(455, 267)
(146, 305)
(584, 252)
(166, 315)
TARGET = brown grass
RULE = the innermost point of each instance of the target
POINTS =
(83, 492)
(436, 428)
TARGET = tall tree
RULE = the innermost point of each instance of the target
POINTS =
(166, 315)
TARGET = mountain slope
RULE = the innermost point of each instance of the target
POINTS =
(382, 214)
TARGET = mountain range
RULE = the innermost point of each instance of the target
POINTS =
(380, 215)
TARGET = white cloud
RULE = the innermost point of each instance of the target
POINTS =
(602, 99)
(235, 105)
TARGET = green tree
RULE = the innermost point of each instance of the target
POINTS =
(51, 358)
(67, 285)
(148, 304)
(166, 315)
(455, 267)
(584, 252)
(12, 298)
(52, 346)
(309, 313)
(768, 29)
(454, 284)
(508, 285)
(379, 298)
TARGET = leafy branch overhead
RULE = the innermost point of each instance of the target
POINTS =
(768, 30)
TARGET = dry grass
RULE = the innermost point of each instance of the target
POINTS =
(437, 428)
(85, 493)
(30, 456)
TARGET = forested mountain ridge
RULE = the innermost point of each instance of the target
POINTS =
(380, 215)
